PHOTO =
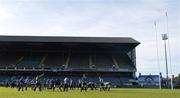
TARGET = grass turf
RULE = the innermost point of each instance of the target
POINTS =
(114, 93)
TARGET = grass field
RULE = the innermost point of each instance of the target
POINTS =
(114, 93)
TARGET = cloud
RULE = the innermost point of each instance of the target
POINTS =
(98, 18)
(5, 14)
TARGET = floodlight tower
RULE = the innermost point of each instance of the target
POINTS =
(165, 37)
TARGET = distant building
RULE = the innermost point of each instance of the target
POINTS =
(148, 80)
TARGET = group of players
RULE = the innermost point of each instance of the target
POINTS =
(63, 85)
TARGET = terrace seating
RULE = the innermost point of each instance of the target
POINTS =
(30, 60)
(75, 60)
(123, 61)
(103, 61)
(114, 80)
(54, 60)
(79, 60)
(9, 58)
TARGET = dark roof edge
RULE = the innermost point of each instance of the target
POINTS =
(68, 39)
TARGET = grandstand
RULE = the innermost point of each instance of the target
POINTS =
(112, 58)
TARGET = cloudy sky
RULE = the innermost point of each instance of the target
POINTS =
(123, 18)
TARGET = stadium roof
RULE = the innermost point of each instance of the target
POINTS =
(71, 39)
